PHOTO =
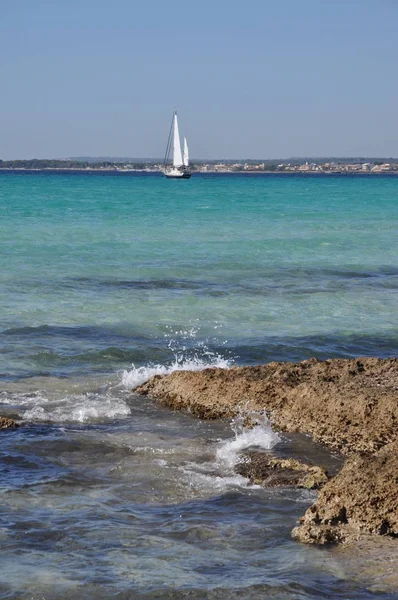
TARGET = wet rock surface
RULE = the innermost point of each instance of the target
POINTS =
(348, 405)
(264, 469)
(362, 498)
(6, 423)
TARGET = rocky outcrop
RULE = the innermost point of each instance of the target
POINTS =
(6, 423)
(349, 405)
(270, 471)
(362, 498)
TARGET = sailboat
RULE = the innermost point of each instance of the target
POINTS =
(179, 167)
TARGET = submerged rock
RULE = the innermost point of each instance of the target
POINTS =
(6, 423)
(267, 470)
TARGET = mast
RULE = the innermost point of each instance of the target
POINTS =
(177, 156)
(185, 155)
(168, 147)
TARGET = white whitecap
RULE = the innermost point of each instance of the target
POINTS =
(219, 475)
(260, 436)
(186, 357)
(78, 408)
(138, 375)
(23, 399)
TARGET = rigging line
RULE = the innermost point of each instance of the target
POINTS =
(169, 141)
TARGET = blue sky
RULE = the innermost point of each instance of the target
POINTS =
(255, 79)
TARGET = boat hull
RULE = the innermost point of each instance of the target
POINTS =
(184, 176)
(174, 174)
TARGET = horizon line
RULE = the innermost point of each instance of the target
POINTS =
(157, 159)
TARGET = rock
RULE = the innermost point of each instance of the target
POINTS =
(349, 405)
(6, 423)
(267, 470)
(362, 498)
(324, 534)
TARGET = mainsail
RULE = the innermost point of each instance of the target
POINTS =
(177, 156)
(185, 153)
(178, 169)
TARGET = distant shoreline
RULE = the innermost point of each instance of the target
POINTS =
(56, 170)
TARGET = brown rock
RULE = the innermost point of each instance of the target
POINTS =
(6, 423)
(267, 470)
(362, 498)
(349, 405)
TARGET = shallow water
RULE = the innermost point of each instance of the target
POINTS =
(145, 502)
(108, 280)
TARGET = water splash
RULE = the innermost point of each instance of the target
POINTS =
(218, 475)
(260, 436)
(189, 354)
(77, 408)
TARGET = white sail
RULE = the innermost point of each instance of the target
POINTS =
(177, 156)
(185, 156)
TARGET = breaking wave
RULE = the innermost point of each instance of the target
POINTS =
(83, 408)
(186, 358)
(219, 474)
(132, 378)
(73, 408)
(261, 436)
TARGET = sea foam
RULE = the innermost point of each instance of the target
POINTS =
(260, 436)
(132, 378)
(189, 354)
(78, 408)
(219, 474)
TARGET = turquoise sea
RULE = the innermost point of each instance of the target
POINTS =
(107, 279)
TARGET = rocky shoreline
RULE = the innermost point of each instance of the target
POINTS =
(348, 405)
